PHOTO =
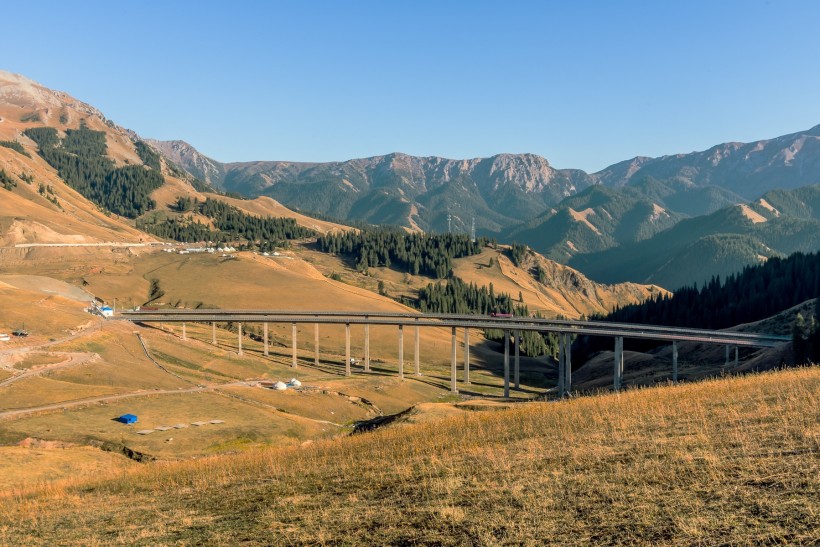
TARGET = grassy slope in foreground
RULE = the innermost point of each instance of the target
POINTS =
(732, 460)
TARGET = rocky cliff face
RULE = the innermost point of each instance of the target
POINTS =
(189, 158)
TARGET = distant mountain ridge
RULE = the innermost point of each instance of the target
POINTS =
(397, 188)
(507, 189)
(748, 169)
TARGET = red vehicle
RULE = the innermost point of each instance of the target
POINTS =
(499, 314)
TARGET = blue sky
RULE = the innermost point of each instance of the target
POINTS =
(584, 84)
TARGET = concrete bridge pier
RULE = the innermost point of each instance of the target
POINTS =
(736, 356)
(347, 349)
(619, 362)
(240, 339)
(316, 344)
(517, 368)
(568, 362)
(506, 363)
(726, 364)
(453, 386)
(467, 355)
(401, 352)
(183, 331)
(213, 332)
(674, 360)
(561, 368)
(416, 354)
(293, 340)
(367, 347)
(266, 348)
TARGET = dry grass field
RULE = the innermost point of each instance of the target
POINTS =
(727, 461)
(40, 463)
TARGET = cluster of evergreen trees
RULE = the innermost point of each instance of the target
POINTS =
(148, 156)
(266, 232)
(517, 253)
(16, 146)
(755, 293)
(806, 339)
(183, 229)
(263, 233)
(81, 161)
(456, 296)
(6, 181)
(417, 253)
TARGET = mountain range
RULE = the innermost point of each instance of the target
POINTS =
(671, 220)
(502, 191)
(61, 160)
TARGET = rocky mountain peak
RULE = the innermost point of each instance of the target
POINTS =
(26, 94)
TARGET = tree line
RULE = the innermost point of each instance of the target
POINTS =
(232, 224)
(755, 293)
(456, 296)
(81, 160)
(416, 253)
(16, 146)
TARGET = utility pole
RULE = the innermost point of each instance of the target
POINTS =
(449, 219)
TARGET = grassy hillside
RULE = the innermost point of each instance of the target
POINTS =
(733, 460)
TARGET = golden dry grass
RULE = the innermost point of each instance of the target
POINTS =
(34, 466)
(728, 461)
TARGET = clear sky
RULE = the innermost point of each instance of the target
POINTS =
(582, 83)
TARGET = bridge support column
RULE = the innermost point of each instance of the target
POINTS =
(416, 354)
(453, 386)
(517, 368)
(265, 347)
(293, 340)
(347, 349)
(183, 331)
(466, 355)
(726, 364)
(568, 362)
(674, 360)
(367, 347)
(316, 344)
(619, 362)
(401, 352)
(240, 339)
(506, 363)
(561, 369)
(213, 332)
(736, 357)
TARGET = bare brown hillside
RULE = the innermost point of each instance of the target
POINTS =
(564, 291)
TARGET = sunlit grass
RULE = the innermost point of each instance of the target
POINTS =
(732, 460)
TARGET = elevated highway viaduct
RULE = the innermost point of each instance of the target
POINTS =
(565, 329)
